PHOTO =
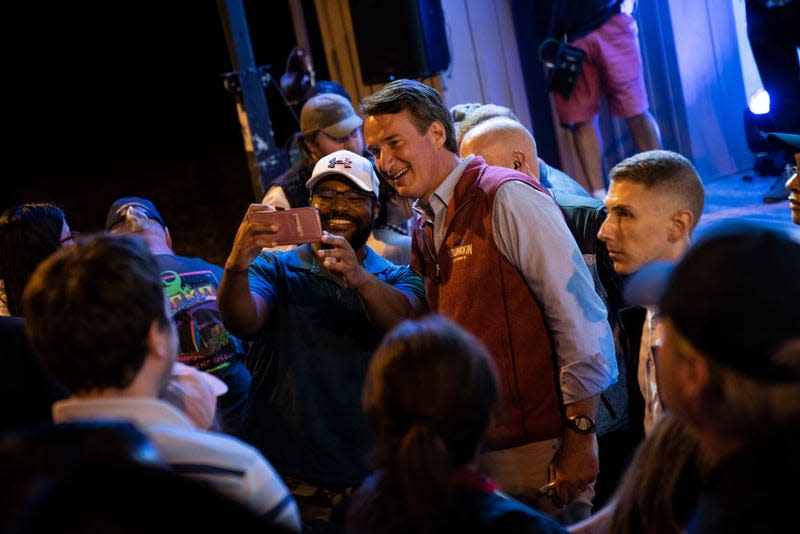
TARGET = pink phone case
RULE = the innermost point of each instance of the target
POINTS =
(295, 226)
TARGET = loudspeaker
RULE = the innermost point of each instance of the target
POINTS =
(404, 39)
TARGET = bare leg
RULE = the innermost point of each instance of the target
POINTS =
(587, 145)
(644, 131)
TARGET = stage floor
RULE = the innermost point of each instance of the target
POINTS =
(740, 196)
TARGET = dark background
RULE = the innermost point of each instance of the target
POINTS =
(119, 99)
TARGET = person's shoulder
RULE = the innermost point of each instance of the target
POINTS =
(500, 513)
(178, 260)
(375, 262)
(571, 200)
(179, 444)
(560, 182)
(280, 262)
(174, 265)
(197, 260)
(299, 168)
(272, 256)
(584, 214)
(379, 265)
(402, 277)
(227, 463)
(493, 178)
(289, 189)
(12, 326)
(486, 171)
(519, 191)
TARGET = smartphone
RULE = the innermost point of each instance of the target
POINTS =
(295, 226)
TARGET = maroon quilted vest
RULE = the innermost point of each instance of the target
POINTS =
(472, 283)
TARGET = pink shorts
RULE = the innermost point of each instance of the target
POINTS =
(613, 67)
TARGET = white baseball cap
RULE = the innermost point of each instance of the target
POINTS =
(349, 164)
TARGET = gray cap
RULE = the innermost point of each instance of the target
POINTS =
(330, 113)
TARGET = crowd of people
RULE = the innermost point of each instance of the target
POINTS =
(520, 357)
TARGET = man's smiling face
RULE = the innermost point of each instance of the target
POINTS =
(351, 219)
(405, 156)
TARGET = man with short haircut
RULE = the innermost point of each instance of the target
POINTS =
(191, 286)
(97, 317)
(315, 314)
(498, 258)
(655, 200)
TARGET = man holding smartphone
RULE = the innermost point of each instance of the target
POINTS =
(315, 314)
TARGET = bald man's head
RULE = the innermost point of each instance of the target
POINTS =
(503, 142)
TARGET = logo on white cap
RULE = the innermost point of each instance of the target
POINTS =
(347, 162)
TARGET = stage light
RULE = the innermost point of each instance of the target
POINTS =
(758, 103)
(769, 161)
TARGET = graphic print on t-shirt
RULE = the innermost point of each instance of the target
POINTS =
(204, 342)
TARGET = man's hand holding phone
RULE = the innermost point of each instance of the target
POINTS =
(340, 259)
(264, 226)
(274, 228)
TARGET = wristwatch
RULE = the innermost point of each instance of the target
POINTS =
(582, 424)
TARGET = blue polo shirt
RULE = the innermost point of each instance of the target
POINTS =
(309, 362)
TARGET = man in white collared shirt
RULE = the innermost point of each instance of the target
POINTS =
(98, 319)
(655, 200)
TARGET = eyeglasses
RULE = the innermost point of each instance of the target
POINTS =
(356, 199)
(69, 238)
(343, 139)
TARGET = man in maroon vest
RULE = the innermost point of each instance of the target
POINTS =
(497, 257)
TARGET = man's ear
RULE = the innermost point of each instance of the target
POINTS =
(518, 159)
(522, 164)
(681, 224)
(437, 133)
(161, 341)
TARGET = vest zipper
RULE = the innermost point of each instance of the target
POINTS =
(430, 249)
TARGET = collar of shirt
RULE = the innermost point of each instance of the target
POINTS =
(142, 411)
(437, 204)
